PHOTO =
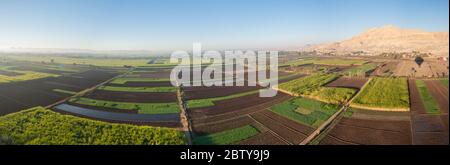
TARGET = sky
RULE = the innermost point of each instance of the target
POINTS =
(169, 25)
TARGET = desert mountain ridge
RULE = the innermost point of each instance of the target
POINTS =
(389, 39)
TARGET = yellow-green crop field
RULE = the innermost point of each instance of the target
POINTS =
(25, 76)
(385, 94)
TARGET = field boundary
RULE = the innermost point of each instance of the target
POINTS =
(184, 116)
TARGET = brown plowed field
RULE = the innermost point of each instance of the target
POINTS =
(427, 128)
(39, 92)
(265, 138)
(306, 130)
(202, 129)
(430, 129)
(347, 82)
(236, 105)
(359, 131)
(439, 93)
(241, 111)
(280, 129)
(192, 93)
(135, 97)
(417, 106)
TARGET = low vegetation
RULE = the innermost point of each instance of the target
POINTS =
(307, 85)
(138, 89)
(444, 82)
(333, 95)
(25, 76)
(41, 126)
(360, 71)
(305, 111)
(431, 105)
(227, 137)
(387, 94)
(143, 108)
(210, 101)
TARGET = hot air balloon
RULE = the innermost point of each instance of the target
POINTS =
(419, 60)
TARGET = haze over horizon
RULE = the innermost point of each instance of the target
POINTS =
(175, 24)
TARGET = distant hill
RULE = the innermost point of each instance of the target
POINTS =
(389, 39)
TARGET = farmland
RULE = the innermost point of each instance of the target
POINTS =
(334, 61)
(228, 137)
(7, 75)
(144, 108)
(41, 126)
(427, 99)
(305, 111)
(90, 61)
(49, 89)
(390, 94)
(360, 71)
(138, 89)
(143, 100)
(307, 85)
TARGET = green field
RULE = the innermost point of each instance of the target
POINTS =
(360, 70)
(227, 137)
(341, 62)
(45, 127)
(210, 101)
(24, 76)
(431, 105)
(65, 91)
(124, 80)
(142, 108)
(386, 94)
(138, 89)
(100, 61)
(305, 111)
(444, 82)
(307, 85)
(333, 95)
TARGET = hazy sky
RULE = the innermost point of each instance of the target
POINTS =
(218, 24)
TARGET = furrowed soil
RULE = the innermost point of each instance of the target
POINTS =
(22, 95)
(370, 132)
(236, 105)
(280, 129)
(439, 93)
(201, 118)
(427, 128)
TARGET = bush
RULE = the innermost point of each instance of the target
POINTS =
(42, 126)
